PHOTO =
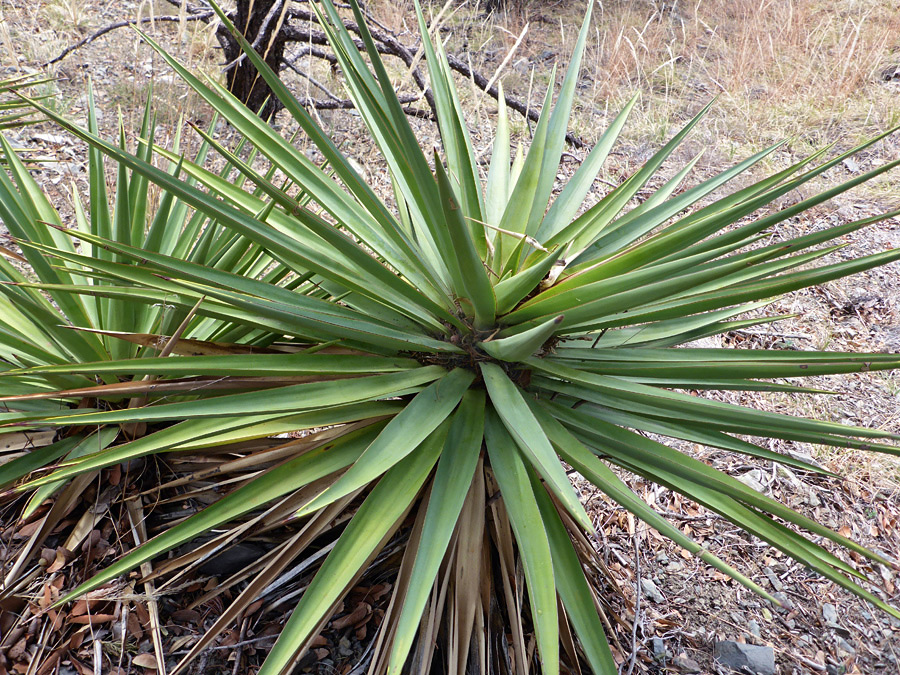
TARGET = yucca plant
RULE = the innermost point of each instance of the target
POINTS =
(15, 112)
(433, 363)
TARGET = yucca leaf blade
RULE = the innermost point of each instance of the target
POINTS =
(507, 400)
(522, 345)
(474, 283)
(377, 517)
(430, 408)
(516, 491)
(455, 472)
(291, 475)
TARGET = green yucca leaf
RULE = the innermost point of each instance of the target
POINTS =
(290, 399)
(430, 408)
(88, 445)
(303, 470)
(509, 404)
(474, 284)
(496, 189)
(522, 345)
(570, 200)
(574, 592)
(455, 135)
(382, 512)
(452, 479)
(238, 365)
(517, 489)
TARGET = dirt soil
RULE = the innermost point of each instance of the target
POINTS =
(679, 606)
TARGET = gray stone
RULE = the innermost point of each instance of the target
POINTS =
(232, 560)
(787, 474)
(743, 658)
(753, 479)
(686, 664)
(754, 629)
(829, 613)
(786, 603)
(843, 645)
(651, 591)
(773, 579)
(674, 566)
(803, 452)
(658, 648)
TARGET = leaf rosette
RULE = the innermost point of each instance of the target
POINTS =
(418, 373)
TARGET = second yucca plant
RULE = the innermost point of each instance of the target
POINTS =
(441, 358)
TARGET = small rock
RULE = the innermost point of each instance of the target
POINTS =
(658, 648)
(812, 499)
(686, 664)
(787, 474)
(753, 479)
(674, 566)
(16, 143)
(52, 139)
(891, 73)
(662, 558)
(852, 166)
(651, 591)
(754, 629)
(345, 647)
(786, 603)
(829, 613)
(743, 658)
(804, 455)
(773, 579)
(843, 645)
